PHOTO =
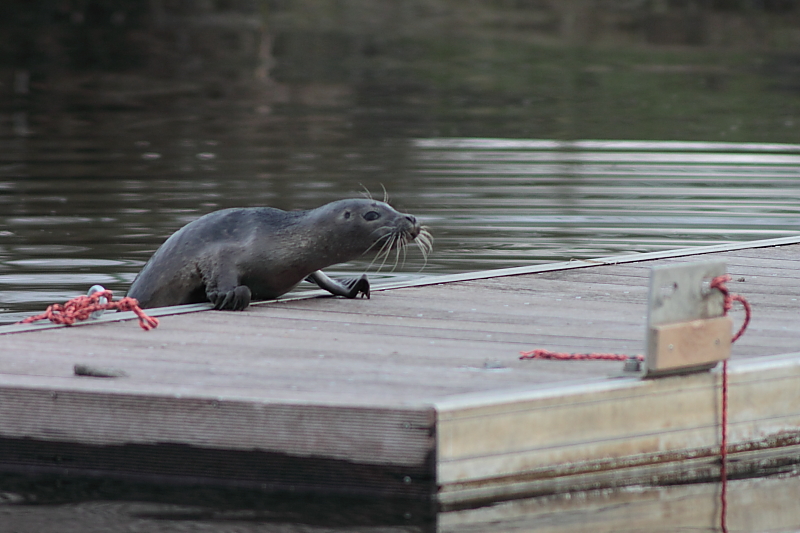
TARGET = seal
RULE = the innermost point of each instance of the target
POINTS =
(232, 256)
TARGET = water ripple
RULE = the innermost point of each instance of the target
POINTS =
(490, 203)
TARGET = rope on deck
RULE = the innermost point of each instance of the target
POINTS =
(716, 283)
(82, 307)
(563, 356)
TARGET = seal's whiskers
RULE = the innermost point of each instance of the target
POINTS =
(397, 240)
(384, 250)
(425, 244)
(387, 249)
(368, 195)
(365, 193)
(405, 251)
(378, 240)
(401, 245)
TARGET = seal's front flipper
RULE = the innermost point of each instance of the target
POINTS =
(235, 299)
(357, 286)
(349, 287)
(223, 288)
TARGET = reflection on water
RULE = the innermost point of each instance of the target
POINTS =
(69, 504)
(491, 203)
(754, 505)
(517, 202)
(74, 505)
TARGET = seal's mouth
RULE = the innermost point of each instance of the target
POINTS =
(395, 241)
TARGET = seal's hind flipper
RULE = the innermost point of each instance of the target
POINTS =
(348, 287)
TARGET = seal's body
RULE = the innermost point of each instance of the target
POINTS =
(231, 256)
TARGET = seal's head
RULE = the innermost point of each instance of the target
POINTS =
(374, 227)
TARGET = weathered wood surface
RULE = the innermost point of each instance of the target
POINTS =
(607, 434)
(405, 345)
(408, 379)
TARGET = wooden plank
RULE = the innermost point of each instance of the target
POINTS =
(778, 253)
(508, 443)
(570, 265)
(611, 260)
(106, 417)
(573, 324)
(689, 344)
(372, 371)
(325, 448)
(363, 341)
(760, 278)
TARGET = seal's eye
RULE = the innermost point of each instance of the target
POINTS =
(372, 215)
(347, 214)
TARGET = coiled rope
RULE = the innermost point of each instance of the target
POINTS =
(82, 307)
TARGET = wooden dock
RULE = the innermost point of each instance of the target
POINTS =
(417, 392)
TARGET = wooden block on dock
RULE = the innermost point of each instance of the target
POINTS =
(694, 344)
(686, 329)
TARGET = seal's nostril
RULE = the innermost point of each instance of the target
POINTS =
(411, 218)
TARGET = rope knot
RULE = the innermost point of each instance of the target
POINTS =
(82, 307)
(719, 283)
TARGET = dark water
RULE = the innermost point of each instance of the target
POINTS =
(70, 505)
(520, 132)
(119, 124)
(77, 212)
